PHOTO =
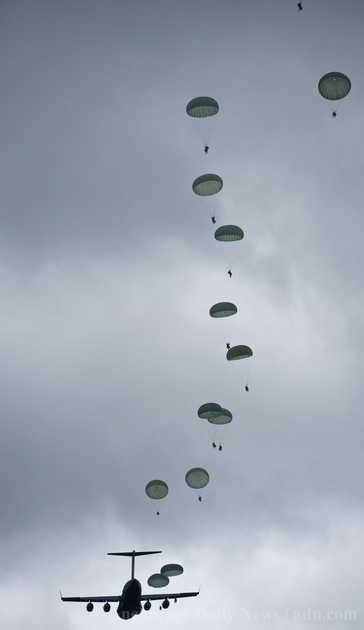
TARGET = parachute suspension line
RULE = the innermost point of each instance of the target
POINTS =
(217, 441)
(216, 416)
(226, 235)
(203, 107)
(214, 438)
(334, 86)
(156, 490)
(197, 478)
(248, 376)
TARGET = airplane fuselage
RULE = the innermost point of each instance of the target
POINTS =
(130, 600)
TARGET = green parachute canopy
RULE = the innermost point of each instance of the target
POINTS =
(209, 410)
(207, 184)
(156, 489)
(202, 107)
(239, 352)
(223, 309)
(214, 413)
(334, 86)
(197, 478)
(225, 416)
(171, 570)
(157, 580)
(229, 233)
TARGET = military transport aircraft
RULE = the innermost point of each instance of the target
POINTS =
(129, 602)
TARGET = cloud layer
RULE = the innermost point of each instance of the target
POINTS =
(108, 268)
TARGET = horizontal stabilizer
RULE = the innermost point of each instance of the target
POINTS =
(131, 554)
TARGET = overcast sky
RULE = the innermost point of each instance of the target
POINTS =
(108, 268)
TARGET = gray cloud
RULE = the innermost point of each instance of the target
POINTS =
(108, 270)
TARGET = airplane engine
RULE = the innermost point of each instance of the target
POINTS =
(89, 607)
(147, 605)
(107, 607)
(165, 603)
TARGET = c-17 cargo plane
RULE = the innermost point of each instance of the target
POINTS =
(130, 600)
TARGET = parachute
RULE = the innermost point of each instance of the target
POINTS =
(202, 107)
(229, 233)
(197, 478)
(157, 580)
(156, 489)
(223, 309)
(214, 413)
(209, 411)
(225, 417)
(207, 184)
(171, 570)
(239, 352)
(334, 86)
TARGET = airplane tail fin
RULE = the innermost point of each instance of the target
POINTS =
(132, 555)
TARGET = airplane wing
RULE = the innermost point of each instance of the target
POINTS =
(98, 598)
(167, 596)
